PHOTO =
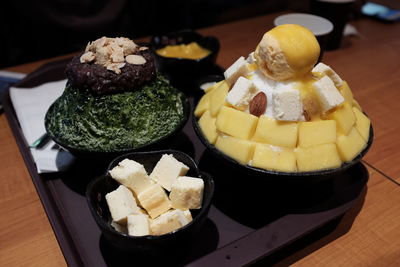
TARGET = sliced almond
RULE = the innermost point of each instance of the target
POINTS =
(135, 59)
(143, 48)
(258, 104)
(87, 57)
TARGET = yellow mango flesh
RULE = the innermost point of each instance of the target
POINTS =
(209, 89)
(275, 132)
(217, 98)
(344, 118)
(236, 123)
(238, 149)
(318, 157)
(274, 158)
(208, 127)
(346, 93)
(203, 105)
(363, 124)
(317, 133)
(350, 145)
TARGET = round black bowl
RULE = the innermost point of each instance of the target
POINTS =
(109, 154)
(265, 174)
(184, 72)
(98, 188)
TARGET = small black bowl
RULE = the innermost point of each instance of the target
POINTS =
(110, 154)
(265, 175)
(184, 72)
(97, 189)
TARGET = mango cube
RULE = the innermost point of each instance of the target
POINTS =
(209, 89)
(217, 98)
(238, 149)
(236, 123)
(203, 105)
(350, 145)
(317, 133)
(344, 117)
(276, 133)
(274, 158)
(362, 123)
(356, 105)
(346, 92)
(318, 157)
(208, 127)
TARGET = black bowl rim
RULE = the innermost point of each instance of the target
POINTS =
(79, 151)
(204, 208)
(153, 45)
(259, 171)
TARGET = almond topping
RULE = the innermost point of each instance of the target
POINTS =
(258, 104)
(87, 57)
(135, 60)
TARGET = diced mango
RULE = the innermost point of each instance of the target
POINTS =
(238, 149)
(318, 157)
(356, 105)
(346, 93)
(208, 127)
(314, 133)
(344, 118)
(274, 158)
(236, 123)
(350, 145)
(276, 133)
(217, 98)
(203, 105)
(363, 123)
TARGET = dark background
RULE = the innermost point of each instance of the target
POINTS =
(37, 29)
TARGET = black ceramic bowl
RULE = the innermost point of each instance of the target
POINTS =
(184, 72)
(98, 188)
(109, 154)
(277, 175)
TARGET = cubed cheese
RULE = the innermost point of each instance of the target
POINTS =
(241, 93)
(167, 170)
(317, 133)
(188, 215)
(328, 94)
(121, 203)
(287, 105)
(203, 105)
(276, 133)
(239, 68)
(317, 157)
(154, 200)
(236, 123)
(274, 158)
(131, 174)
(168, 222)
(238, 149)
(349, 146)
(138, 225)
(322, 69)
(208, 126)
(187, 193)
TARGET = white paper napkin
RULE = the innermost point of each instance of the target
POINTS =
(31, 105)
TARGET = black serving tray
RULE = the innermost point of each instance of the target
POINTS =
(246, 223)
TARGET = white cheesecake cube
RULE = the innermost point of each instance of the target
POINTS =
(187, 193)
(121, 203)
(168, 222)
(329, 96)
(323, 69)
(167, 170)
(287, 105)
(188, 215)
(237, 69)
(131, 174)
(138, 225)
(241, 93)
(154, 200)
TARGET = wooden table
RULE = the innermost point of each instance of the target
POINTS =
(369, 234)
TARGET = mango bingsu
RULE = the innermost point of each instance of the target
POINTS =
(281, 111)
